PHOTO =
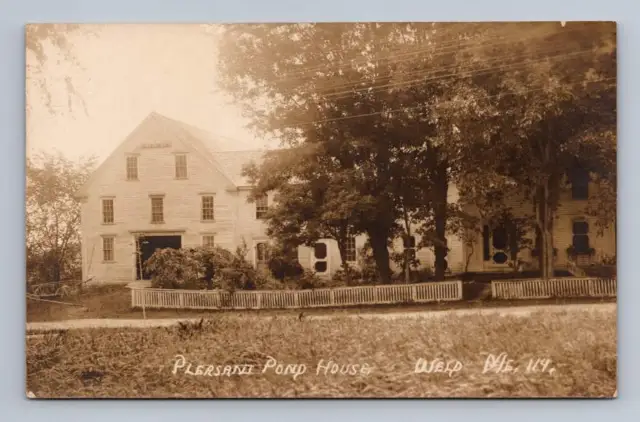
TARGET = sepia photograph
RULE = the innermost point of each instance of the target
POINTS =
(321, 210)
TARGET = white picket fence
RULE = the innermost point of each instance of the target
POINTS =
(281, 299)
(554, 287)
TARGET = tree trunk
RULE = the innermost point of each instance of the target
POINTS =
(342, 249)
(378, 240)
(440, 217)
(545, 216)
(407, 262)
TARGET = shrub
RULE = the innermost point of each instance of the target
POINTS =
(310, 280)
(572, 252)
(283, 263)
(175, 269)
(608, 259)
(367, 265)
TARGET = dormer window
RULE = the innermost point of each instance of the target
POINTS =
(181, 166)
(132, 167)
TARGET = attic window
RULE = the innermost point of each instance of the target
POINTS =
(181, 166)
(132, 167)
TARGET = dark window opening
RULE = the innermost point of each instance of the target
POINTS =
(581, 237)
(579, 183)
(500, 238)
(320, 266)
(320, 250)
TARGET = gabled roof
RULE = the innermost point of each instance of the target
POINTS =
(228, 163)
(232, 163)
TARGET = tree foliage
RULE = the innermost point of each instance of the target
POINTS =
(380, 120)
(42, 42)
(53, 216)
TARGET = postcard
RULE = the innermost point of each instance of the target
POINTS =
(321, 210)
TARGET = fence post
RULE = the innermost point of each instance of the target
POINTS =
(181, 299)
(590, 288)
(144, 296)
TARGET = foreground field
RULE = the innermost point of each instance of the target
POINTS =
(570, 354)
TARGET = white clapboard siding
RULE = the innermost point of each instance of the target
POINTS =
(281, 299)
(554, 287)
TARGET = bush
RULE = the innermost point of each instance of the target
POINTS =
(609, 260)
(367, 265)
(283, 263)
(310, 280)
(175, 269)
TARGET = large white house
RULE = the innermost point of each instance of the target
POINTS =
(169, 183)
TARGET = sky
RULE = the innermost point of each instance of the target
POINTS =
(122, 73)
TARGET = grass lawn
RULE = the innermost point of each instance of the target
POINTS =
(115, 302)
(226, 357)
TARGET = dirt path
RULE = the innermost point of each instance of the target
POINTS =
(523, 311)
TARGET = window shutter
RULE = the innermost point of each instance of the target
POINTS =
(485, 243)
(513, 241)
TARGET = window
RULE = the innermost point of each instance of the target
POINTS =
(208, 240)
(107, 249)
(581, 237)
(320, 254)
(262, 254)
(580, 183)
(132, 168)
(107, 211)
(350, 249)
(157, 209)
(181, 166)
(207, 208)
(262, 206)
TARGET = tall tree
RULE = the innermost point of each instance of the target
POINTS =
(554, 115)
(53, 216)
(363, 93)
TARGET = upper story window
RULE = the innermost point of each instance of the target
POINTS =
(157, 209)
(132, 167)
(181, 166)
(262, 206)
(107, 211)
(108, 248)
(208, 213)
(579, 183)
(350, 249)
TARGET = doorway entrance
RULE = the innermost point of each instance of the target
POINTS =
(148, 245)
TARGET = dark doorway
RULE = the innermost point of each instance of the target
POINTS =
(149, 244)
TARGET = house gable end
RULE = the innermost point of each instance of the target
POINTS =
(154, 132)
